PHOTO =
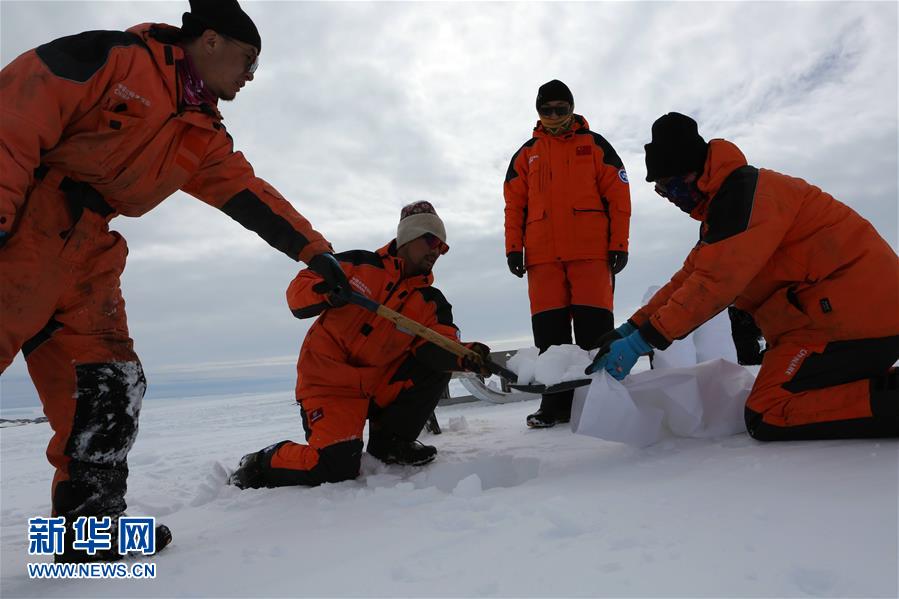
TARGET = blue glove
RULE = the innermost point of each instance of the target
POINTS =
(619, 333)
(626, 329)
(619, 356)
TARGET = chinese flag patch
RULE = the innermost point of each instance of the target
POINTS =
(583, 150)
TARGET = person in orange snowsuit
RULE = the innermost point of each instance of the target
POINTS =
(801, 264)
(567, 219)
(356, 366)
(92, 126)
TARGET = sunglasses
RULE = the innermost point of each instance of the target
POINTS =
(554, 110)
(435, 242)
(251, 59)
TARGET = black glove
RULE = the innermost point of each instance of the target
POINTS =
(617, 261)
(335, 285)
(515, 260)
(478, 367)
(606, 340)
(746, 335)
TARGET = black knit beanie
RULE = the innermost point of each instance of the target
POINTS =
(676, 147)
(552, 91)
(222, 16)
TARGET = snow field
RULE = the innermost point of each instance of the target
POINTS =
(503, 511)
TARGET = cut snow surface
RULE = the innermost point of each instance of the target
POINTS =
(503, 511)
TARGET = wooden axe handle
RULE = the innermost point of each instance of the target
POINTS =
(416, 328)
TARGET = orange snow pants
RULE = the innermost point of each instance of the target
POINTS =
(334, 427)
(553, 285)
(62, 307)
(578, 292)
(840, 389)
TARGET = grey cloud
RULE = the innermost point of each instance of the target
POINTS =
(359, 108)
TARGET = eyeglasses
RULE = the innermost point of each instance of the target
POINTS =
(672, 186)
(251, 58)
(435, 242)
(547, 110)
(662, 188)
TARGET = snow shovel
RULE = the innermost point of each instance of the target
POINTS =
(407, 325)
(548, 389)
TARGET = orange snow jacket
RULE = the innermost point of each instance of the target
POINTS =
(567, 197)
(806, 266)
(104, 108)
(352, 352)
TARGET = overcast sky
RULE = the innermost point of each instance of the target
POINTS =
(360, 108)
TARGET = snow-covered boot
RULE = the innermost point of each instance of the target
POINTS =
(393, 450)
(70, 555)
(546, 418)
(249, 472)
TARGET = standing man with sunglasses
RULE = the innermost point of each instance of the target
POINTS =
(568, 213)
(818, 279)
(356, 366)
(95, 125)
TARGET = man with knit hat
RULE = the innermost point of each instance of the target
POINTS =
(95, 125)
(802, 264)
(567, 220)
(356, 366)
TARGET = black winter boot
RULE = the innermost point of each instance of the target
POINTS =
(70, 555)
(546, 418)
(393, 450)
(249, 472)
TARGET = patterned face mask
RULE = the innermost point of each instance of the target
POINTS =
(685, 195)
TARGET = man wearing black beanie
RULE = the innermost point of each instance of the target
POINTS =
(95, 125)
(567, 220)
(820, 282)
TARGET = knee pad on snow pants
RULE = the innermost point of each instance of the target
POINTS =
(338, 462)
(406, 416)
(109, 397)
(847, 389)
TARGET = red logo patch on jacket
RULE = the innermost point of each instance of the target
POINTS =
(583, 151)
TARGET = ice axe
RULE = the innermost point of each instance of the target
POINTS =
(407, 325)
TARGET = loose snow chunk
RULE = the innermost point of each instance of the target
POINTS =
(470, 486)
(457, 424)
(523, 364)
(558, 363)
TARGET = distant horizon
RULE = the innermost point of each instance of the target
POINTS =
(359, 108)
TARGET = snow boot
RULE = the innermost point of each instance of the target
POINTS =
(70, 555)
(249, 472)
(393, 450)
(546, 419)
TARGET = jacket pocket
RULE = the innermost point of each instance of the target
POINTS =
(591, 231)
(781, 314)
(536, 231)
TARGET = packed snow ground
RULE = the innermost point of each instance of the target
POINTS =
(503, 511)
